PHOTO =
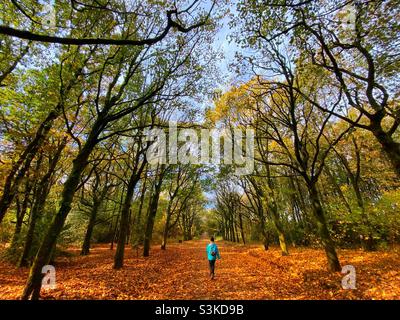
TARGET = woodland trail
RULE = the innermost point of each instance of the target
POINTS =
(244, 272)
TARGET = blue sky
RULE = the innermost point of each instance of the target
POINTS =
(227, 47)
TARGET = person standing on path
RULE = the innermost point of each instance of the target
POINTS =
(213, 255)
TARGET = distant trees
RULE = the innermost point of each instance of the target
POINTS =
(228, 206)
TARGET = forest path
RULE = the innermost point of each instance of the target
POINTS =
(181, 272)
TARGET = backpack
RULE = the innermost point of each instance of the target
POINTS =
(213, 253)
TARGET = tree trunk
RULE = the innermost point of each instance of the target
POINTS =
(273, 209)
(114, 235)
(44, 254)
(166, 228)
(41, 194)
(21, 213)
(224, 231)
(120, 205)
(150, 224)
(152, 213)
(389, 146)
(226, 227)
(92, 221)
(241, 228)
(236, 232)
(232, 227)
(137, 237)
(123, 226)
(265, 240)
(263, 228)
(26, 253)
(333, 261)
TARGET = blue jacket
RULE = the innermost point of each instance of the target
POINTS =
(210, 248)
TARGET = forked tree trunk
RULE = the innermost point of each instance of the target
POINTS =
(123, 226)
(273, 209)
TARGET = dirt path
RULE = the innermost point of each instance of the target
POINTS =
(244, 272)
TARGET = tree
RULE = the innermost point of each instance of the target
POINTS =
(139, 163)
(160, 173)
(99, 188)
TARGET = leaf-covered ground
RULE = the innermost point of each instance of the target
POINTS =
(244, 272)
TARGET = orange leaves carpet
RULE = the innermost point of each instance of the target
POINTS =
(244, 272)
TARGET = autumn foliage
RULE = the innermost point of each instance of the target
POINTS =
(244, 272)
